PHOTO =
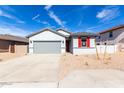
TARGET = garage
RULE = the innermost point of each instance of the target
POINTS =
(47, 41)
(47, 47)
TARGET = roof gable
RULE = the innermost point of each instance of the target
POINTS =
(35, 33)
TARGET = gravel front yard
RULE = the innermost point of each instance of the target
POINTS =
(7, 56)
(69, 62)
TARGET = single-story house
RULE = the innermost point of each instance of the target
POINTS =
(13, 44)
(112, 36)
(61, 41)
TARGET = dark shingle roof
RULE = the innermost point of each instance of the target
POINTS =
(84, 34)
(13, 38)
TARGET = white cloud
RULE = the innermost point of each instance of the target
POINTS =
(35, 17)
(53, 16)
(48, 25)
(37, 20)
(103, 13)
(108, 13)
(4, 14)
(20, 21)
(8, 29)
(0, 12)
(79, 23)
(45, 23)
(47, 7)
(56, 18)
(8, 8)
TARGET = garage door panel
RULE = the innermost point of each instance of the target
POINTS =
(47, 47)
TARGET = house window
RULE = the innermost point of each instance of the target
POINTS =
(97, 43)
(99, 37)
(110, 34)
(83, 42)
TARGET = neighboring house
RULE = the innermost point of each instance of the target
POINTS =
(13, 44)
(113, 36)
(61, 41)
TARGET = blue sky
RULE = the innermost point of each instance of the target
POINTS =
(22, 20)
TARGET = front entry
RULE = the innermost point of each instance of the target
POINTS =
(67, 45)
(12, 48)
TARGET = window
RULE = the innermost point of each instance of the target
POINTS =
(99, 37)
(110, 34)
(97, 43)
(83, 42)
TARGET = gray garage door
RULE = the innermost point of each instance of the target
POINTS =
(47, 47)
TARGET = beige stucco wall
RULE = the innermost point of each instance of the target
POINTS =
(21, 48)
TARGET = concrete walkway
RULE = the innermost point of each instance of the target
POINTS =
(30, 69)
(94, 79)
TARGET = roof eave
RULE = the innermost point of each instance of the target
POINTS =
(84, 35)
(38, 32)
(43, 31)
(15, 40)
(64, 30)
(112, 29)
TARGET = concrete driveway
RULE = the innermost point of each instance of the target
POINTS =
(31, 69)
(104, 78)
(42, 71)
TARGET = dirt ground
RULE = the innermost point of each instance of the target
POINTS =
(69, 62)
(7, 56)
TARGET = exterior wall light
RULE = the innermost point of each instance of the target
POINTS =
(30, 41)
(63, 42)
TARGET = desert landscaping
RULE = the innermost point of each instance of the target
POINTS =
(69, 62)
(8, 56)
